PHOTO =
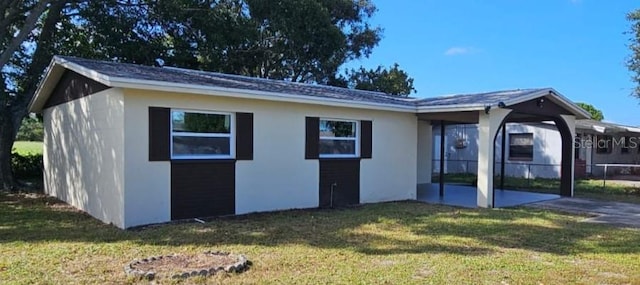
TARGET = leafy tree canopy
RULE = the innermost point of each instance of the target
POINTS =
(295, 40)
(393, 81)
(633, 62)
(596, 114)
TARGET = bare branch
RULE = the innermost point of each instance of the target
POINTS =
(29, 23)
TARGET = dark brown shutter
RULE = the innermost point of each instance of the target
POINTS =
(159, 133)
(244, 136)
(366, 139)
(312, 138)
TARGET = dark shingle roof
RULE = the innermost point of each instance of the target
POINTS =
(214, 79)
(480, 99)
(121, 72)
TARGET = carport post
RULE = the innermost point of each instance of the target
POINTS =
(442, 141)
(503, 149)
(489, 123)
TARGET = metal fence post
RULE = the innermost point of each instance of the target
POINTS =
(604, 177)
(529, 175)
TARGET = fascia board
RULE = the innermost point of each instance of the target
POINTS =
(250, 94)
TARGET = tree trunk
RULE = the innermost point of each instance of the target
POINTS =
(14, 109)
(7, 137)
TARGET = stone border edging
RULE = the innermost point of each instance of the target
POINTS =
(240, 265)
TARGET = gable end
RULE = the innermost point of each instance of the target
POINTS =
(73, 86)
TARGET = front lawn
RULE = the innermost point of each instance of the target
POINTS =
(44, 241)
(26, 147)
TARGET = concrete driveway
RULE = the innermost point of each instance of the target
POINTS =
(615, 213)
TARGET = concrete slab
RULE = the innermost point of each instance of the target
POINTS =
(466, 196)
(615, 213)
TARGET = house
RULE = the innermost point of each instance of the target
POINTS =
(134, 145)
(600, 143)
(533, 150)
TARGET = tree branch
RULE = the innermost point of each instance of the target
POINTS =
(29, 23)
(41, 57)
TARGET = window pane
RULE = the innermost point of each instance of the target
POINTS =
(201, 145)
(521, 139)
(201, 122)
(521, 146)
(337, 146)
(339, 129)
(525, 152)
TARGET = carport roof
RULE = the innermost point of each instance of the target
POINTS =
(123, 75)
(604, 127)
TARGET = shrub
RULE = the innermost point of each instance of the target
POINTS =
(27, 166)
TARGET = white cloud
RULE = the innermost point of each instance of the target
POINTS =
(460, 51)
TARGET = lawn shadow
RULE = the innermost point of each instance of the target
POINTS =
(376, 229)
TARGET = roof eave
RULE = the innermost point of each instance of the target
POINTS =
(252, 94)
(53, 73)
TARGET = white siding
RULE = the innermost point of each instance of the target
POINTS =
(83, 154)
(547, 150)
(278, 177)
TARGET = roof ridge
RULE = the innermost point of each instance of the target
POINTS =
(277, 80)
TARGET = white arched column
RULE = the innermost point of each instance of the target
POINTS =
(488, 125)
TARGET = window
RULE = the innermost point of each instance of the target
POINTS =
(521, 146)
(603, 144)
(201, 135)
(338, 138)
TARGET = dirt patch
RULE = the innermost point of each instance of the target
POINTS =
(181, 263)
(185, 266)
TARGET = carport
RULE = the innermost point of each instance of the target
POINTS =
(491, 111)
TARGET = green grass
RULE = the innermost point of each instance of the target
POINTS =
(43, 241)
(583, 188)
(25, 147)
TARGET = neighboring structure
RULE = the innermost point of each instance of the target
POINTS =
(534, 150)
(134, 145)
(606, 143)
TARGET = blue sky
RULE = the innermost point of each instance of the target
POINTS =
(578, 47)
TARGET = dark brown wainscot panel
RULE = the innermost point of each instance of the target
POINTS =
(202, 188)
(339, 182)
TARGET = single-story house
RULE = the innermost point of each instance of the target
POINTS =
(134, 145)
(534, 150)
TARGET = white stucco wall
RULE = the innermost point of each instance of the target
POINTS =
(547, 151)
(84, 154)
(278, 177)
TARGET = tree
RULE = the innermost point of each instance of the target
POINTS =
(392, 81)
(295, 40)
(596, 114)
(30, 130)
(26, 28)
(633, 62)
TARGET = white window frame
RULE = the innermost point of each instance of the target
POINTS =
(356, 139)
(231, 135)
